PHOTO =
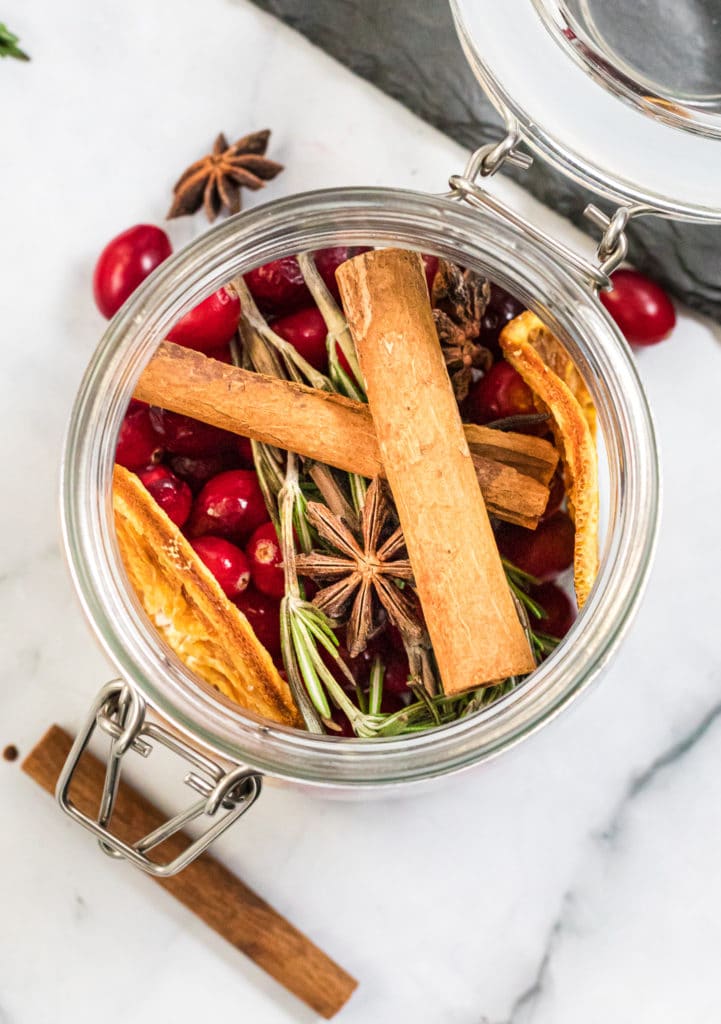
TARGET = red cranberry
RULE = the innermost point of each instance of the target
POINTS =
(126, 261)
(640, 307)
(345, 729)
(196, 470)
(183, 435)
(560, 613)
(138, 444)
(544, 552)
(328, 260)
(344, 364)
(430, 268)
(499, 393)
(362, 664)
(501, 309)
(266, 560)
(222, 354)
(231, 505)
(395, 680)
(307, 332)
(244, 452)
(173, 495)
(279, 286)
(263, 614)
(391, 702)
(210, 324)
(226, 562)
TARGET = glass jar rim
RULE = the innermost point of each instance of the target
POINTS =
(307, 222)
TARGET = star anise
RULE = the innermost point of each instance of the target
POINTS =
(362, 573)
(460, 298)
(215, 180)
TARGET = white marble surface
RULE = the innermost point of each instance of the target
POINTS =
(575, 880)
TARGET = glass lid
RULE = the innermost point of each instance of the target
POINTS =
(624, 96)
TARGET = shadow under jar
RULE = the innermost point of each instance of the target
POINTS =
(203, 718)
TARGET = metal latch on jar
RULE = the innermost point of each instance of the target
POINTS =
(120, 712)
(613, 246)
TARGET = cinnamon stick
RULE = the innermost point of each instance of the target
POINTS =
(472, 621)
(205, 887)
(529, 455)
(513, 469)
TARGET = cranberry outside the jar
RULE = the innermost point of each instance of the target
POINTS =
(125, 262)
(640, 307)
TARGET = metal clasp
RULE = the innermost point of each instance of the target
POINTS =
(488, 160)
(120, 712)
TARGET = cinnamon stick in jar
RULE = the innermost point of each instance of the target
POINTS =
(471, 618)
(513, 469)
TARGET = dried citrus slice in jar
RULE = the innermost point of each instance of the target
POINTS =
(190, 611)
(558, 388)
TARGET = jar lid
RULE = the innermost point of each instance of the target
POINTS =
(623, 98)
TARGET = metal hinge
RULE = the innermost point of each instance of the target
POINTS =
(119, 711)
(488, 160)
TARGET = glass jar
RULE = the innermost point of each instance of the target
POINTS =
(380, 217)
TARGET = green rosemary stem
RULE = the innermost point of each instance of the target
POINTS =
(358, 488)
(544, 643)
(345, 386)
(296, 680)
(334, 320)
(526, 600)
(304, 684)
(302, 647)
(287, 498)
(339, 378)
(520, 576)
(299, 369)
(519, 582)
(375, 692)
(269, 479)
(304, 626)
(300, 521)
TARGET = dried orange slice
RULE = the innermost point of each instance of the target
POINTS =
(189, 609)
(556, 358)
(522, 341)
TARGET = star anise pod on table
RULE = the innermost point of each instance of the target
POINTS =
(360, 574)
(460, 298)
(215, 181)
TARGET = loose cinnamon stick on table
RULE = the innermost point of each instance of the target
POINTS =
(207, 888)
(513, 469)
(472, 621)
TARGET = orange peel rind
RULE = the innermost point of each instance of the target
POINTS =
(537, 356)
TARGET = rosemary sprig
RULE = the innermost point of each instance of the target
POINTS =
(9, 44)
(345, 386)
(338, 333)
(545, 644)
(309, 642)
(375, 689)
(519, 582)
(254, 328)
